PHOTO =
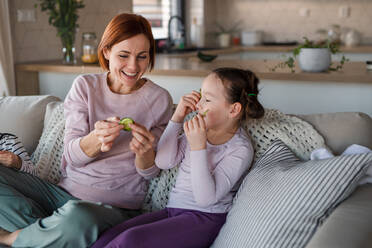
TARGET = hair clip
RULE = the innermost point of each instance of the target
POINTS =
(251, 94)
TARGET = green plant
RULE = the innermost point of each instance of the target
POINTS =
(290, 61)
(63, 16)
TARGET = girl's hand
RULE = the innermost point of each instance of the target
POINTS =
(186, 105)
(142, 141)
(196, 133)
(107, 131)
(10, 160)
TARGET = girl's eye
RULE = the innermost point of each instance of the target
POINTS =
(123, 56)
(207, 100)
(142, 57)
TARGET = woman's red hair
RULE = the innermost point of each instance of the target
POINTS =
(123, 27)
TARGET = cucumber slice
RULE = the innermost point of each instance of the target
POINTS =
(206, 57)
(125, 122)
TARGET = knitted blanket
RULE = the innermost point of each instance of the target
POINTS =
(297, 134)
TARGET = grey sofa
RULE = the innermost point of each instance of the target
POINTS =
(350, 225)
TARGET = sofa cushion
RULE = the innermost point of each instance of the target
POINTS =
(283, 200)
(24, 117)
(350, 225)
(48, 154)
(342, 129)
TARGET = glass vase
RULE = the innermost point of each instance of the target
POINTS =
(68, 55)
(68, 46)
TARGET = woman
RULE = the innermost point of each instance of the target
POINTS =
(104, 168)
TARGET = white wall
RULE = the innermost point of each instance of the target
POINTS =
(288, 96)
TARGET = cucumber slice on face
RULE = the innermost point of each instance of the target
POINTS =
(125, 122)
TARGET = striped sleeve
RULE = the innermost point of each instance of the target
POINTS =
(10, 142)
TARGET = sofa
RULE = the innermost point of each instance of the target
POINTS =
(349, 224)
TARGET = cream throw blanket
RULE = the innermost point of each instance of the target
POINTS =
(297, 134)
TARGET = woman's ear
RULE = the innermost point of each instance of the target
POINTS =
(236, 109)
(106, 53)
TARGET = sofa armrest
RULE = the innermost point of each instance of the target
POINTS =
(350, 224)
(24, 117)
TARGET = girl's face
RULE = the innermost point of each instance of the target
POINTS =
(214, 101)
(128, 61)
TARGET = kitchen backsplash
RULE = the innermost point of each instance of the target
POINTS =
(281, 20)
(38, 41)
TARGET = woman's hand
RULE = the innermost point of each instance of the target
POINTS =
(107, 131)
(10, 160)
(142, 145)
(196, 133)
(186, 105)
(102, 137)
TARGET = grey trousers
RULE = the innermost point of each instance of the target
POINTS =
(49, 216)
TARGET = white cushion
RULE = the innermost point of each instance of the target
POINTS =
(283, 200)
(48, 154)
(24, 117)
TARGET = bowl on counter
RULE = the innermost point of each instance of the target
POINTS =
(251, 38)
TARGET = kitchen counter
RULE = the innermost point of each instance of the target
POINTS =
(261, 48)
(190, 65)
(299, 92)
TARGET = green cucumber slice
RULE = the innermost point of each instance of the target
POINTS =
(125, 122)
(205, 113)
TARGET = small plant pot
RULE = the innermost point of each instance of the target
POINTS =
(314, 59)
(224, 39)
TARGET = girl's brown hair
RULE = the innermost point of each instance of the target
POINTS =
(242, 86)
(123, 27)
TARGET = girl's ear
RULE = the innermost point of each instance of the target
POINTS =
(235, 109)
(106, 53)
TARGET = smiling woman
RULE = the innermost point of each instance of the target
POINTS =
(104, 170)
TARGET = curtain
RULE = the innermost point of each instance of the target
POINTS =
(7, 78)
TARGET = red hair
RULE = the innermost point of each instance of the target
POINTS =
(123, 27)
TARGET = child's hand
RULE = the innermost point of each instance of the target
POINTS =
(196, 133)
(10, 160)
(186, 105)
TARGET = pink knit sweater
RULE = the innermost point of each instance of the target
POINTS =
(111, 177)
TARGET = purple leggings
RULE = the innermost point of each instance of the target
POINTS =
(170, 227)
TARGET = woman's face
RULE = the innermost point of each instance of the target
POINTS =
(128, 61)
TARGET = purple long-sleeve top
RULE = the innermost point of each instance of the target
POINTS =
(110, 177)
(207, 179)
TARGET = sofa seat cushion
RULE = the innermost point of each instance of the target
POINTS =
(283, 200)
(350, 225)
(24, 117)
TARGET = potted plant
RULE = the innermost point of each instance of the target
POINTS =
(63, 15)
(313, 57)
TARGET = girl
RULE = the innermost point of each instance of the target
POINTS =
(213, 154)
